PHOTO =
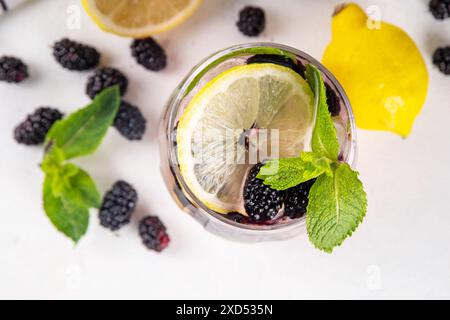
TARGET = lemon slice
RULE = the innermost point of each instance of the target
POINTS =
(139, 18)
(212, 156)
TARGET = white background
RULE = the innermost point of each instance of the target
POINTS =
(400, 251)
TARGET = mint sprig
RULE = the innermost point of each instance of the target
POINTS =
(69, 192)
(337, 200)
(324, 139)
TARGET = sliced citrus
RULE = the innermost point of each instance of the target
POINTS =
(139, 18)
(212, 155)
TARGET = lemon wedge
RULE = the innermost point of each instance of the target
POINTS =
(139, 18)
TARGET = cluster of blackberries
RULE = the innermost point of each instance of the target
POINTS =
(264, 204)
(75, 56)
(441, 56)
(120, 201)
(118, 206)
(261, 202)
(129, 120)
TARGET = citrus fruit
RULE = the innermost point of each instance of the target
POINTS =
(139, 18)
(212, 154)
(380, 68)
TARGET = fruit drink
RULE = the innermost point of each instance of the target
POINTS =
(233, 112)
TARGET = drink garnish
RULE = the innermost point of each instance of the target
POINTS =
(337, 200)
(69, 192)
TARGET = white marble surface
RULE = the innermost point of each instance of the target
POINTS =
(400, 251)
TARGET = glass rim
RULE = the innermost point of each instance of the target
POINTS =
(183, 88)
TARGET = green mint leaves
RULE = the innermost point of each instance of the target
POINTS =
(82, 132)
(337, 200)
(66, 214)
(286, 173)
(337, 205)
(324, 139)
(69, 192)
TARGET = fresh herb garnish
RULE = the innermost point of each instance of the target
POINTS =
(337, 205)
(337, 200)
(286, 173)
(82, 132)
(69, 192)
(324, 140)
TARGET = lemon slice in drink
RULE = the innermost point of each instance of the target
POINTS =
(139, 18)
(212, 154)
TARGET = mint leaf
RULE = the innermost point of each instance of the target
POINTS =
(324, 139)
(286, 173)
(69, 192)
(82, 132)
(80, 187)
(337, 205)
(68, 217)
(52, 160)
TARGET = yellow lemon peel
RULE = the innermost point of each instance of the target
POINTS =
(381, 69)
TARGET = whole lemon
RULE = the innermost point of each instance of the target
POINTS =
(380, 68)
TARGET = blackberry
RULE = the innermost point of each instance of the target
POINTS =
(104, 78)
(118, 206)
(75, 56)
(12, 70)
(296, 200)
(153, 233)
(279, 60)
(441, 59)
(252, 21)
(35, 127)
(149, 54)
(334, 104)
(260, 201)
(130, 122)
(440, 9)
